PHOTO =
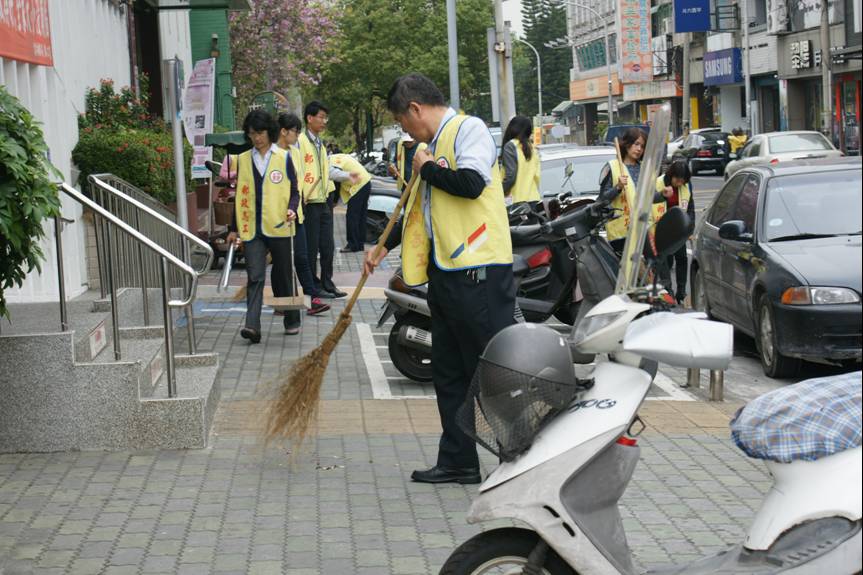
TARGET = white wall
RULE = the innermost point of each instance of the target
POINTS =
(175, 41)
(730, 110)
(89, 42)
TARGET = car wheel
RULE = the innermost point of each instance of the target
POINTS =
(692, 169)
(720, 171)
(699, 295)
(772, 361)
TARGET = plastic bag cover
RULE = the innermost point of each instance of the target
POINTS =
(807, 420)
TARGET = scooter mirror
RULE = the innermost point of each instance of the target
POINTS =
(672, 229)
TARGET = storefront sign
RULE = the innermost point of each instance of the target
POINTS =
(636, 57)
(723, 67)
(591, 88)
(198, 114)
(651, 90)
(25, 30)
(798, 15)
(691, 16)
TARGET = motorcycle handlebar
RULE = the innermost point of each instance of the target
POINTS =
(578, 222)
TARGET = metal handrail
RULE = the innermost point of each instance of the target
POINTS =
(98, 180)
(166, 258)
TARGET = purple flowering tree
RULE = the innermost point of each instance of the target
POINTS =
(280, 45)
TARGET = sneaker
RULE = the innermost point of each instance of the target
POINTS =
(317, 307)
(292, 330)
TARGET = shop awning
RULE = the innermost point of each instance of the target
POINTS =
(562, 108)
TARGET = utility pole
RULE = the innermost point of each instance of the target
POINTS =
(747, 78)
(826, 60)
(452, 44)
(504, 81)
(686, 107)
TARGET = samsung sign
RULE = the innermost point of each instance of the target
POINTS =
(723, 67)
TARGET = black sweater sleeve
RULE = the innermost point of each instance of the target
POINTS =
(395, 237)
(464, 183)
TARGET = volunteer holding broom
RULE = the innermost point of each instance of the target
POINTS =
(266, 208)
(455, 236)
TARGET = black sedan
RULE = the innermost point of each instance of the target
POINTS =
(778, 255)
(705, 151)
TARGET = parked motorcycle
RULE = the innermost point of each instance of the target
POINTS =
(568, 449)
(572, 242)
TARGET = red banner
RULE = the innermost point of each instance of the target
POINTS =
(25, 31)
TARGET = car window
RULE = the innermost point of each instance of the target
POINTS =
(723, 205)
(585, 174)
(822, 203)
(753, 150)
(695, 141)
(798, 143)
(747, 202)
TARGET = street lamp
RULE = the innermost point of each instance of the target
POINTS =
(538, 75)
(599, 16)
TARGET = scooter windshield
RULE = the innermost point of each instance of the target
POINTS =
(639, 221)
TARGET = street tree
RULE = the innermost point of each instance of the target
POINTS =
(543, 20)
(280, 45)
(382, 40)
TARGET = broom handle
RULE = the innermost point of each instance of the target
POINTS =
(619, 157)
(380, 245)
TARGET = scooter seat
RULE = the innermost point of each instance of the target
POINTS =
(805, 421)
(526, 234)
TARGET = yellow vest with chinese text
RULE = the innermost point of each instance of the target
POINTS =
(683, 193)
(275, 196)
(625, 200)
(466, 233)
(347, 190)
(401, 156)
(526, 186)
(314, 176)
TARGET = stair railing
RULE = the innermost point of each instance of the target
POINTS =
(153, 220)
(167, 262)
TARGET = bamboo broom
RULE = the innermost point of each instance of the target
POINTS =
(295, 408)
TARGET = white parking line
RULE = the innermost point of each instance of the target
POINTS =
(380, 387)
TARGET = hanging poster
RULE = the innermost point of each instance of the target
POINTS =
(636, 56)
(198, 114)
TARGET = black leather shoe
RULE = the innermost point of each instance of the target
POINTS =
(324, 294)
(347, 250)
(438, 474)
(338, 294)
(250, 334)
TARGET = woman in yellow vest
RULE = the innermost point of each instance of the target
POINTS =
(618, 184)
(520, 162)
(676, 189)
(455, 236)
(405, 150)
(354, 194)
(289, 132)
(266, 210)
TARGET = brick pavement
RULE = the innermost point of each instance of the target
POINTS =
(344, 504)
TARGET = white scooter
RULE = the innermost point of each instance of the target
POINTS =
(566, 486)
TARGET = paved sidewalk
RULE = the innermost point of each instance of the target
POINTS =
(345, 503)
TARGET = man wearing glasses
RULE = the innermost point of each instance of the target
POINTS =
(318, 204)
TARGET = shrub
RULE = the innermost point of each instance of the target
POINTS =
(105, 107)
(27, 193)
(144, 158)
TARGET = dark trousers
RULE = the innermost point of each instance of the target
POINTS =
(465, 314)
(319, 235)
(358, 206)
(281, 277)
(680, 262)
(301, 261)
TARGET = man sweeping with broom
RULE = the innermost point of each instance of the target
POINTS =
(455, 236)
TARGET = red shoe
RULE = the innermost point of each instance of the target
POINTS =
(317, 307)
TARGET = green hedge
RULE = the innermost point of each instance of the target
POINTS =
(144, 158)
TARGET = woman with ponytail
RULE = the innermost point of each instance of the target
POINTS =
(520, 162)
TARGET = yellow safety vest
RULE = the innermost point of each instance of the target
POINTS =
(315, 174)
(526, 186)
(683, 193)
(465, 233)
(616, 228)
(275, 197)
(736, 142)
(401, 156)
(350, 164)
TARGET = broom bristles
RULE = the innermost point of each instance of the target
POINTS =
(294, 410)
